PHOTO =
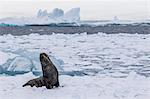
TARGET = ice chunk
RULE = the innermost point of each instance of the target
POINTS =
(5, 56)
(21, 64)
(116, 19)
(22, 61)
(57, 63)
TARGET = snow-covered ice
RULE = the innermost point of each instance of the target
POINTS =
(107, 66)
(77, 87)
(101, 53)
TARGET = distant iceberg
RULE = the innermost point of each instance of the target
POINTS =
(57, 13)
(45, 17)
(73, 14)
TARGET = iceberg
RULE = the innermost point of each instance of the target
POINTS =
(57, 13)
(72, 15)
(45, 17)
(42, 13)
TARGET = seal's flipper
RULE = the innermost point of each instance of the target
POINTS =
(56, 84)
(29, 83)
(38, 82)
(25, 85)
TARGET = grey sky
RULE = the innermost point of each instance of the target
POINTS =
(90, 9)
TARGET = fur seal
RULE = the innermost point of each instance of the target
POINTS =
(50, 74)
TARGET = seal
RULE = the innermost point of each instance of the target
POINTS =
(50, 76)
(50, 73)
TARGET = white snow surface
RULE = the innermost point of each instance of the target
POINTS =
(77, 87)
(116, 66)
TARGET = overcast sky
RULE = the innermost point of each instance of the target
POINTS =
(90, 9)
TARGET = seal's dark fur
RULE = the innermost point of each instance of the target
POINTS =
(50, 74)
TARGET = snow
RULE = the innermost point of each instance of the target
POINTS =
(97, 66)
(86, 87)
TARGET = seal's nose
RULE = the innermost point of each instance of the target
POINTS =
(42, 55)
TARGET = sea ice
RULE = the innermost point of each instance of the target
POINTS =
(107, 66)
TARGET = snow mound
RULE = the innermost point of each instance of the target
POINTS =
(20, 61)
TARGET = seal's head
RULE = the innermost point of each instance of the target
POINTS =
(48, 68)
(44, 59)
(45, 63)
